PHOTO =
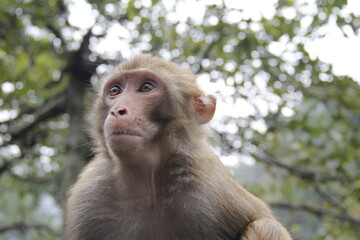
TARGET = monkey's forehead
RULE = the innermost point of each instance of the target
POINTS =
(139, 72)
(157, 64)
(150, 62)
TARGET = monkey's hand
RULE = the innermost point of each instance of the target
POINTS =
(265, 229)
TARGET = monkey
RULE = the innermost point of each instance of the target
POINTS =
(154, 175)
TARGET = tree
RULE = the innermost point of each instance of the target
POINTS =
(301, 129)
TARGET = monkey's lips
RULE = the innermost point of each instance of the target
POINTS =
(123, 140)
(120, 132)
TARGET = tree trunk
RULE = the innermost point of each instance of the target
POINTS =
(78, 142)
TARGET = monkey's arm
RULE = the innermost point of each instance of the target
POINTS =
(265, 229)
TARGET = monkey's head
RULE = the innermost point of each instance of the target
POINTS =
(147, 99)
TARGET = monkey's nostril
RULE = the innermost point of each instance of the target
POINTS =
(122, 111)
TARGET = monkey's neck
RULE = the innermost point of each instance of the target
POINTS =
(137, 172)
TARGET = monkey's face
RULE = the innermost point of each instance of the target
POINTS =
(130, 97)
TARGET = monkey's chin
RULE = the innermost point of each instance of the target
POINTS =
(123, 143)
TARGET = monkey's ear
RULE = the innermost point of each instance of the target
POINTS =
(205, 105)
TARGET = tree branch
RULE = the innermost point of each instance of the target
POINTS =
(331, 198)
(205, 54)
(56, 32)
(22, 226)
(317, 211)
(266, 157)
(309, 175)
(79, 66)
(27, 110)
(4, 167)
(32, 179)
(7, 164)
(51, 108)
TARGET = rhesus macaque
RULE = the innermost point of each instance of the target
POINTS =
(154, 176)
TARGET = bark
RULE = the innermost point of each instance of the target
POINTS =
(77, 144)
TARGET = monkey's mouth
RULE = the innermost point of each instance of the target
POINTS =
(125, 132)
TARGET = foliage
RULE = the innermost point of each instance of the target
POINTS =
(298, 144)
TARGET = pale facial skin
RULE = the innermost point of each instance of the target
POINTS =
(130, 97)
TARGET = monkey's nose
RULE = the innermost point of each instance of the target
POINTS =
(118, 112)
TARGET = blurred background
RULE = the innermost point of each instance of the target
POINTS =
(286, 75)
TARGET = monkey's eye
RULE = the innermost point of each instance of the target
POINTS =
(146, 87)
(115, 90)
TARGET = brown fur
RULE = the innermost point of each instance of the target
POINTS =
(185, 193)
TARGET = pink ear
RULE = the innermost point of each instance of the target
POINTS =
(205, 105)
